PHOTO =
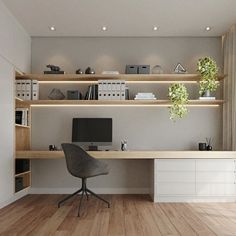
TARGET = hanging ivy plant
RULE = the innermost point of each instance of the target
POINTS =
(178, 96)
(208, 70)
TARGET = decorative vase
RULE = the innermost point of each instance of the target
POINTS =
(209, 148)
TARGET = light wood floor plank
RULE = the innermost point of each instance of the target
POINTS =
(178, 220)
(146, 217)
(193, 220)
(163, 222)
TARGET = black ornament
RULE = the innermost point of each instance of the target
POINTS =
(54, 68)
(79, 72)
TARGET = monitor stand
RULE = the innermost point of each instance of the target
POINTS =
(93, 148)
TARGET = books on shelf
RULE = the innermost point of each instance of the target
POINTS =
(111, 89)
(27, 89)
(145, 96)
(207, 98)
(92, 93)
(22, 116)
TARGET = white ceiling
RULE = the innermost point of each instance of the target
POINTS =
(124, 17)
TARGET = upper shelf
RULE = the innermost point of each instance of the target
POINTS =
(127, 77)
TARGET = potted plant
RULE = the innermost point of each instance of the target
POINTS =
(178, 96)
(208, 70)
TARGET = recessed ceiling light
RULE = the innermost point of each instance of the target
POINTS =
(104, 28)
(155, 28)
(52, 28)
(208, 28)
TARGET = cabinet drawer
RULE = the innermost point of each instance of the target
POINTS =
(175, 165)
(175, 188)
(215, 177)
(175, 177)
(215, 189)
(215, 165)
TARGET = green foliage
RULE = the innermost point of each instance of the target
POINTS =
(208, 70)
(178, 96)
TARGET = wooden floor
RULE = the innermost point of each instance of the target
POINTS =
(129, 215)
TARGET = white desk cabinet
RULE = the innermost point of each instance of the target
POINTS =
(193, 180)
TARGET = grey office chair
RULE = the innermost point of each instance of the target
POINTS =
(80, 164)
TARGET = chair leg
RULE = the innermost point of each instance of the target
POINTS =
(68, 197)
(94, 194)
(87, 194)
(80, 203)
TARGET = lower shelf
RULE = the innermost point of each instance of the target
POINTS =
(22, 181)
(120, 103)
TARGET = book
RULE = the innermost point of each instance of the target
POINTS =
(22, 116)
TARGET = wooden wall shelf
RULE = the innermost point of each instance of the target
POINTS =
(119, 102)
(23, 173)
(22, 126)
(127, 77)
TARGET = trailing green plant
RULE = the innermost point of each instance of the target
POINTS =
(178, 96)
(208, 70)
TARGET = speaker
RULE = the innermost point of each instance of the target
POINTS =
(19, 185)
(22, 165)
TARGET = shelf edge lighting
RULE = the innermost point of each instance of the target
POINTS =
(119, 105)
(128, 82)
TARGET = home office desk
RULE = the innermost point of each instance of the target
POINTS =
(132, 154)
(175, 176)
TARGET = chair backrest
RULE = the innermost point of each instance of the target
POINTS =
(75, 156)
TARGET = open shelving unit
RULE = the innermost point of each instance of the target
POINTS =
(129, 78)
(22, 143)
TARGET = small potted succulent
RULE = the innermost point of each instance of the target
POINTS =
(178, 96)
(208, 70)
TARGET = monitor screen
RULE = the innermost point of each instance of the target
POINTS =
(92, 130)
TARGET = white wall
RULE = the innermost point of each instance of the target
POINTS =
(15, 43)
(114, 53)
(15, 54)
(145, 128)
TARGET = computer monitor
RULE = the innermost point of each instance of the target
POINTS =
(92, 132)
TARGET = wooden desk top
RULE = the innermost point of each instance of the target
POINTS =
(132, 155)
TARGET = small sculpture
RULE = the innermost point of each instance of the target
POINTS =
(53, 70)
(53, 67)
(179, 69)
(157, 69)
(56, 94)
(89, 71)
(79, 72)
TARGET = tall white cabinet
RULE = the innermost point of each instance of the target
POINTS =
(192, 180)
(6, 132)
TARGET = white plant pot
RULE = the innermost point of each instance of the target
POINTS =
(207, 93)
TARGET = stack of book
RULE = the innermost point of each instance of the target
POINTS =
(111, 90)
(145, 96)
(22, 116)
(27, 89)
(92, 93)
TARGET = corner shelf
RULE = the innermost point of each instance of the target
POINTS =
(23, 173)
(129, 78)
(38, 103)
(22, 126)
